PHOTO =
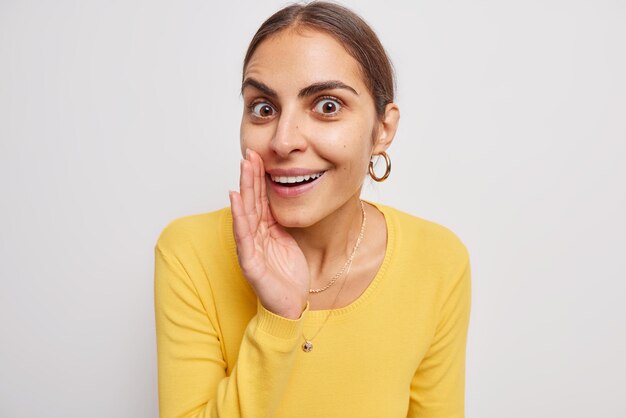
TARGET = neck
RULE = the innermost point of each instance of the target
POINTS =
(328, 243)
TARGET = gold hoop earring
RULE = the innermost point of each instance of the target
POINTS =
(387, 169)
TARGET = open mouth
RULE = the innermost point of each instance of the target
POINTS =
(296, 180)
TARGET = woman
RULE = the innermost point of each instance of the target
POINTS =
(301, 300)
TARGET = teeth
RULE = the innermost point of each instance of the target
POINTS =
(296, 179)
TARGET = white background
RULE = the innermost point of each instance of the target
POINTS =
(118, 116)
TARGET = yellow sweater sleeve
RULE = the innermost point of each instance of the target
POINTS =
(192, 379)
(438, 386)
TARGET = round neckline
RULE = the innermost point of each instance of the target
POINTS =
(323, 314)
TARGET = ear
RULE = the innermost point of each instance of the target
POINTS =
(387, 128)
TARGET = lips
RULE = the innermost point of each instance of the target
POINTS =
(291, 183)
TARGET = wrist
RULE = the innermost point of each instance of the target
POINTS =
(279, 325)
(294, 314)
(291, 313)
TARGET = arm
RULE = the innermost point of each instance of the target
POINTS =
(192, 370)
(438, 386)
(192, 376)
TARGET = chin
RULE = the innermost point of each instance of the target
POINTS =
(294, 217)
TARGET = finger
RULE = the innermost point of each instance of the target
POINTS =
(265, 215)
(256, 163)
(270, 216)
(277, 231)
(246, 186)
(241, 229)
(253, 158)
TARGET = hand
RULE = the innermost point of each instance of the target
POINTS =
(269, 257)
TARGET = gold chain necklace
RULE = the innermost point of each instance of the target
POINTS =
(349, 261)
(308, 342)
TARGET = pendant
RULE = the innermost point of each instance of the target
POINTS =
(307, 346)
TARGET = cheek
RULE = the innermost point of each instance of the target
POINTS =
(243, 134)
(334, 136)
(348, 147)
(255, 137)
(361, 156)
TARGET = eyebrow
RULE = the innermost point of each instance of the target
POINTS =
(306, 91)
(324, 85)
(259, 86)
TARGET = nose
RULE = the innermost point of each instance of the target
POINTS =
(289, 136)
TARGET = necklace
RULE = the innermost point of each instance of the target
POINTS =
(348, 261)
(308, 342)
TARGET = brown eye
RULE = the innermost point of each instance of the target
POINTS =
(328, 107)
(262, 110)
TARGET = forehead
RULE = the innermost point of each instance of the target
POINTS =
(292, 59)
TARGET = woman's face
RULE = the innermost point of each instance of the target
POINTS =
(307, 112)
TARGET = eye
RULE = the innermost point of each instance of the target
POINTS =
(261, 109)
(328, 106)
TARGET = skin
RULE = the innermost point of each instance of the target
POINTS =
(287, 245)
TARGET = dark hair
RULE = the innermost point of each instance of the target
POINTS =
(347, 28)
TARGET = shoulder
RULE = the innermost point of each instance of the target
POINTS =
(197, 230)
(425, 241)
